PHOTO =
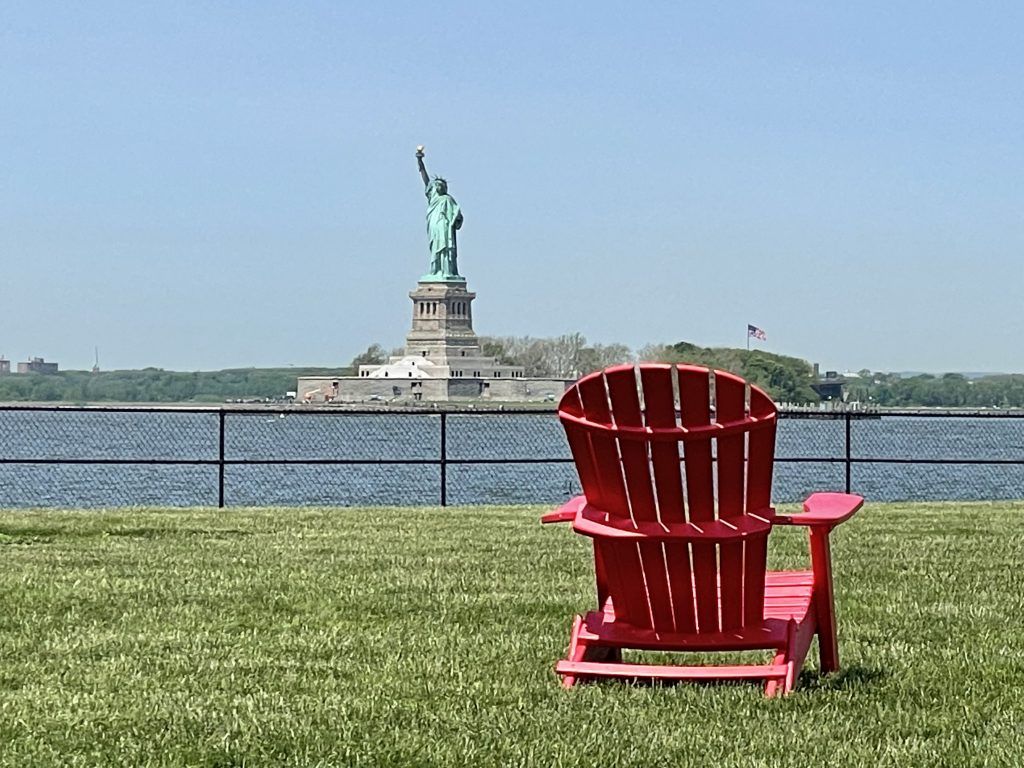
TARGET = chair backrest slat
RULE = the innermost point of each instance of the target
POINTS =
(582, 451)
(636, 467)
(695, 411)
(730, 405)
(761, 450)
(760, 463)
(659, 404)
(605, 455)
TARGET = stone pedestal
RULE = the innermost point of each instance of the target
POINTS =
(442, 322)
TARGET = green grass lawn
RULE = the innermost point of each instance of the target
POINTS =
(427, 637)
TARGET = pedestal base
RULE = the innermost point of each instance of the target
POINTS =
(443, 279)
(442, 320)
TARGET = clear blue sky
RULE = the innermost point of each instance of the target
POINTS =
(197, 185)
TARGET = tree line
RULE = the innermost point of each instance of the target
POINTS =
(787, 379)
(154, 385)
(950, 390)
(570, 356)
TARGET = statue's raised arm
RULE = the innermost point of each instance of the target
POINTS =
(423, 168)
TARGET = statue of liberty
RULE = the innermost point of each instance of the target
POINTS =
(443, 220)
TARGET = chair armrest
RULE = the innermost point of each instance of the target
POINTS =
(824, 509)
(565, 513)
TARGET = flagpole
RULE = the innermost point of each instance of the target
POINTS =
(748, 338)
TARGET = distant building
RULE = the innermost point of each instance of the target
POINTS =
(5, 366)
(37, 365)
(831, 386)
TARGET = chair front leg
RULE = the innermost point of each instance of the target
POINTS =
(824, 598)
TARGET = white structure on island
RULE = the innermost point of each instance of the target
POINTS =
(442, 361)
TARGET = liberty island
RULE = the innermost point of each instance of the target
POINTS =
(442, 359)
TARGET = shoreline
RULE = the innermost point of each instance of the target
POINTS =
(809, 411)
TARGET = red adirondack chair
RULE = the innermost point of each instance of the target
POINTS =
(676, 468)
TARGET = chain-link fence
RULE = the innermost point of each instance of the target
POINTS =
(91, 457)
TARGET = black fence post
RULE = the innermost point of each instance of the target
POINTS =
(444, 459)
(849, 452)
(220, 464)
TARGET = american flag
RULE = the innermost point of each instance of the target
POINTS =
(757, 333)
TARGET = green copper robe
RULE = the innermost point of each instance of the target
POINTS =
(443, 219)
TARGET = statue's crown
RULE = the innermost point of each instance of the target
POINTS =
(441, 179)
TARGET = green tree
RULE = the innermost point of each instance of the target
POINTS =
(785, 378)
(374, 355)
